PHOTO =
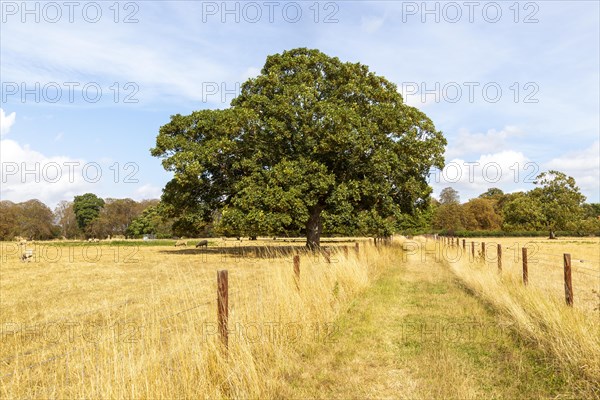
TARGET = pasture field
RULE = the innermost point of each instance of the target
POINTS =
(538, 310)
(109, 321)
(122, 320)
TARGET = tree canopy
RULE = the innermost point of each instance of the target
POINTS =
(87, 208)
(311, 141)
(560, 199)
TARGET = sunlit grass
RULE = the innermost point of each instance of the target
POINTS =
(538, 310)
(141, 322)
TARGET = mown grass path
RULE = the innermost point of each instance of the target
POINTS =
(417, 334)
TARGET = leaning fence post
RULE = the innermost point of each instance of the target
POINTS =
(525, 271)
(499, 258)
(297, 271)
(345, 251)
(223, 305)
(568, 283)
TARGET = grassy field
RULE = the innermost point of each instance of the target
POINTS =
(538, 311)
(418, 334)
(105, 321)
(112, 320)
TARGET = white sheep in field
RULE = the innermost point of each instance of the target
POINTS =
(181, 243)
(27, 255)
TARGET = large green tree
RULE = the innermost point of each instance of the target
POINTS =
(87, 208)
(310, 140)
(151, 221)
(560, 199)
(522, 212)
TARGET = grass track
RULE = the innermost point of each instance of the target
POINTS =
(417, 334)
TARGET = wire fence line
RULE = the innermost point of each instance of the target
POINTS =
(6, 361)
(531, 263)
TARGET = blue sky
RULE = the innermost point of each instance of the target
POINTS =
(514, 86)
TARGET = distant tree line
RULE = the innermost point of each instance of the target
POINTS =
(85, 217)
(556, 204)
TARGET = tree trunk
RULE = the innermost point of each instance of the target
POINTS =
(552, 235)
(314, 227)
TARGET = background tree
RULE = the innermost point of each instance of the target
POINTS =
(115, 217)
(310, 138)
(522, 212)
(64, 216)
(560, 199)
(9, 220)
(36, 220)
(449, 214)
(87, 208)
(591, 210)
(492, 193)
(479, 214)
(449, 196)
(151, 221)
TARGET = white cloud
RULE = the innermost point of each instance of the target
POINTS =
(509, 170)
(148, 191)
(29, 174)
(479, 143)
(6, 122)
(583, 165)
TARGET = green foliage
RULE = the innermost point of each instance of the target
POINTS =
(559, 198)
(448, 217)
(591, 210)
(492, 193)
(312, 142)
(87, 208)
(150, 221)
(523, 212)
(480, 214)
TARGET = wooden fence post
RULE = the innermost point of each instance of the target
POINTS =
(357, 248)
(297, 271)
(223, 305)
(568, 283)
(327, 255)
(473, 250)
(345, 248)
(499, 258)
(483, 250)
(464, 244)
(525, 271)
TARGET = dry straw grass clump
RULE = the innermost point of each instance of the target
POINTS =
(139, 322)
(538, 309)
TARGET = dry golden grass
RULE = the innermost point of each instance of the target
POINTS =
(140, 322)
(538, 310)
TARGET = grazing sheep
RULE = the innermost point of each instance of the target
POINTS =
(27, 255)
(202, 243)
(181, 243)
